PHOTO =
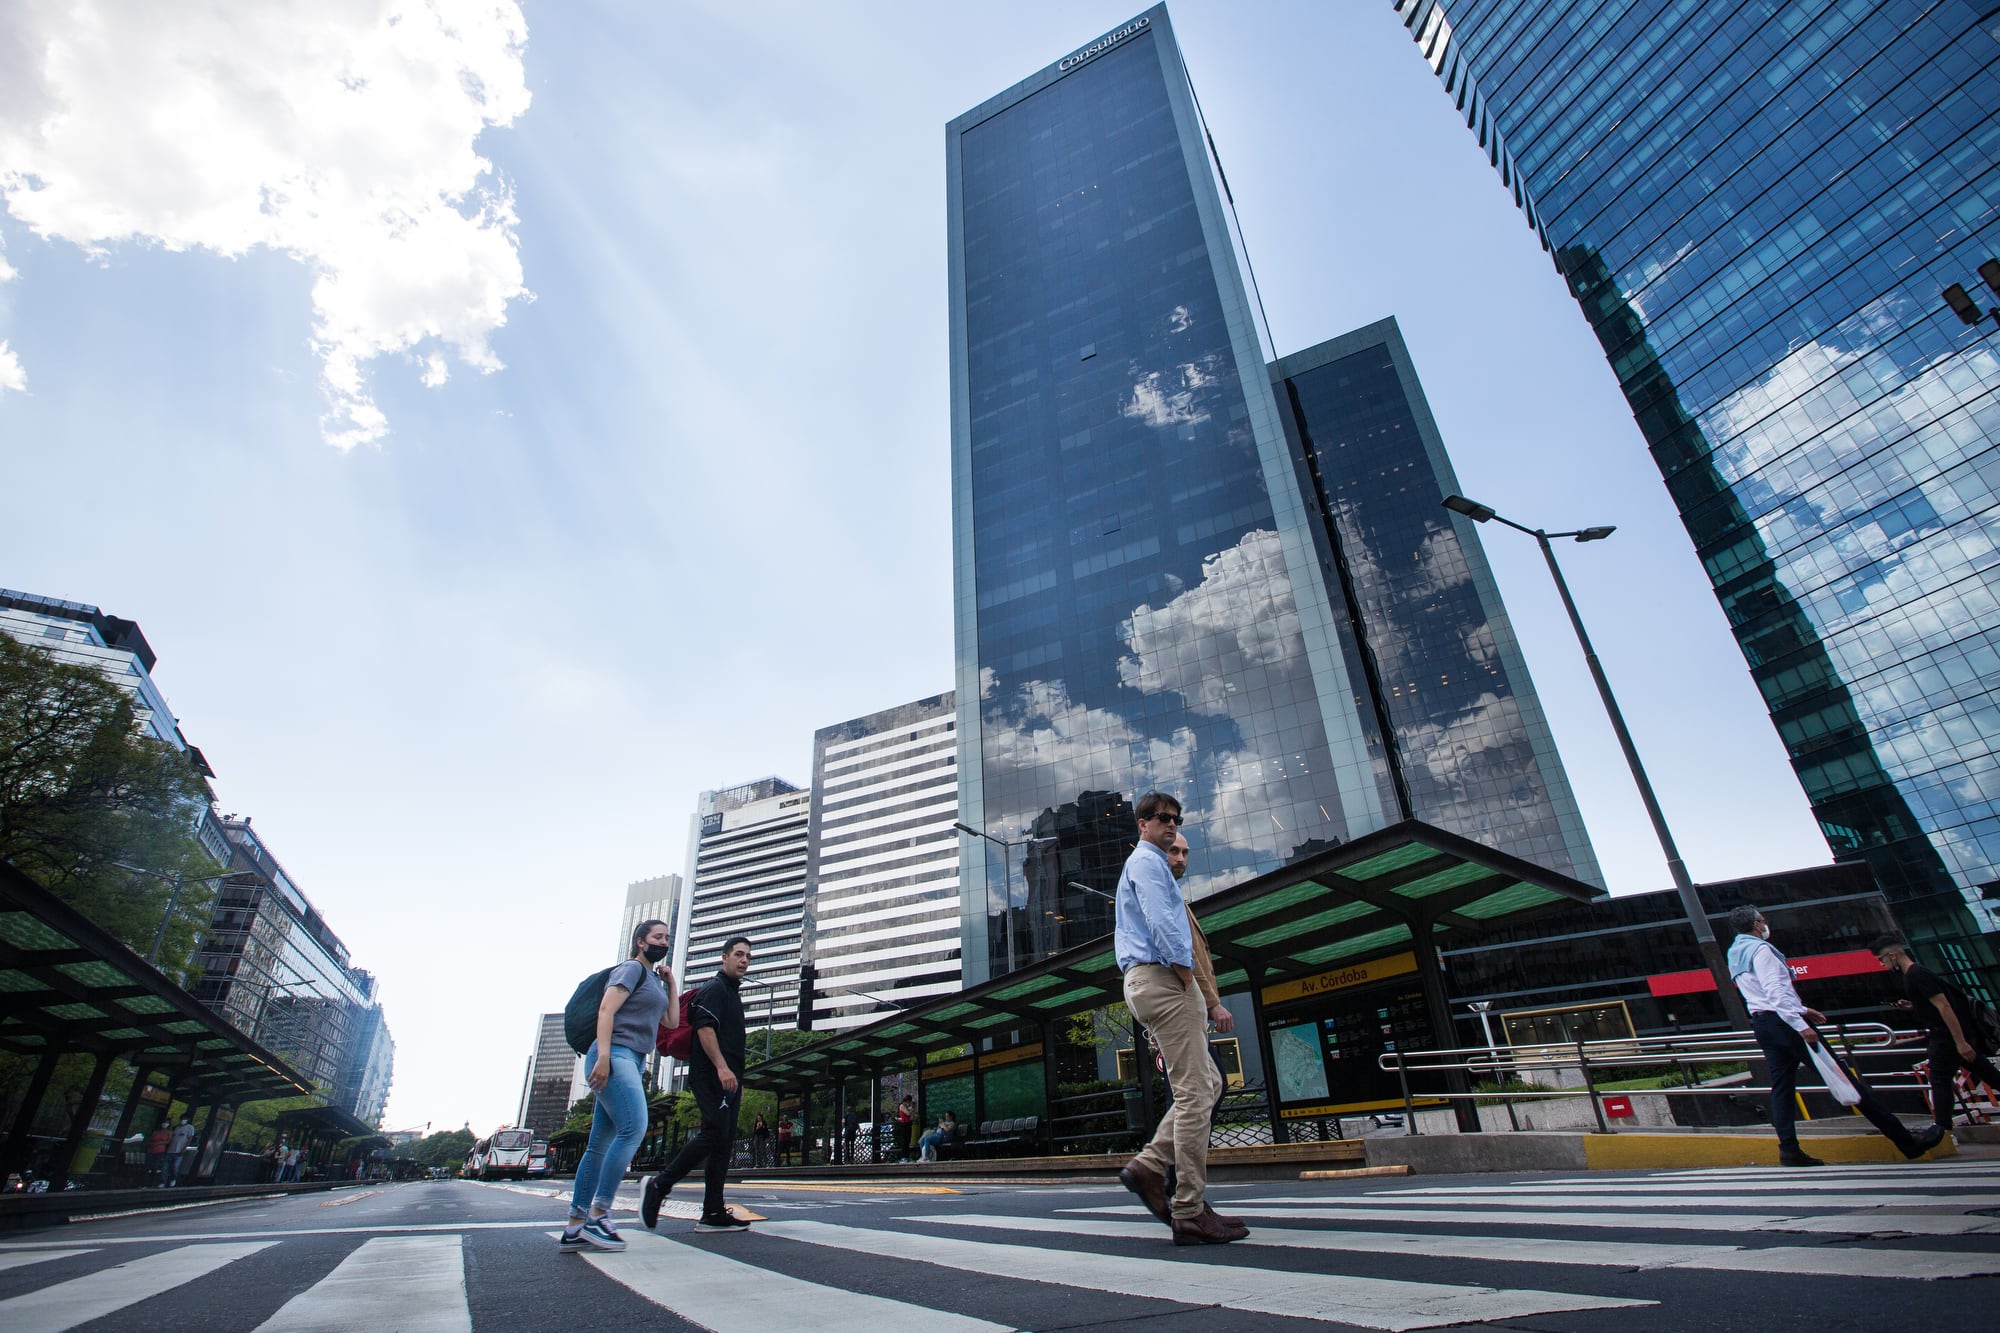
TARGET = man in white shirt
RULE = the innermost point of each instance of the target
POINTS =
(1785, 1031)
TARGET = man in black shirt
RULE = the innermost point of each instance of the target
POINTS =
(1955, 1041)
(715, 1077)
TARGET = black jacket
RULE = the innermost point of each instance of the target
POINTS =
(719, 1005)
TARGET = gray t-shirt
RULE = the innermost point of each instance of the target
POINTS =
(637, 1022)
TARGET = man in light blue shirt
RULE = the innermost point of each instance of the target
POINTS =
(1155, 951)
(1786, 1032)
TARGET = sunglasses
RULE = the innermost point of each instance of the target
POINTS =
(1170, 819)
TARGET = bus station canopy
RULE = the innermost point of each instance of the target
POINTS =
(67, 987)
(1384, 892)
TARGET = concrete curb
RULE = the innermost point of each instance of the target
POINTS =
(1453, 1154)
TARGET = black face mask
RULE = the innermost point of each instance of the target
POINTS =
(655, 952)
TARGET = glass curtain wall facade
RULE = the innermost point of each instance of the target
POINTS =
(1472, 750)
(1138, 600)
(1759, 206)
(1179, 566)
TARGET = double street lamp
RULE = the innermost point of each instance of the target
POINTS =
(1704, 934)
(1006, 847)
(176, 880)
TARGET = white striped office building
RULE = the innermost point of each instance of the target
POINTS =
(883, 910)
(747, 876)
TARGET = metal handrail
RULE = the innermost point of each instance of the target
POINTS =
(1592, 1058)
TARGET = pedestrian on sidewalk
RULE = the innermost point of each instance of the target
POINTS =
(156, 1152)
(1953, 1040)
(715, 1077)
(760, 1141)
(1785, 1030)
(906, 1124)
(183, 1136)
(784, 1140)
(636, 1002)
(1155, 950)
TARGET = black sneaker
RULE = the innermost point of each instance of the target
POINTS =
(572, 1240)
(1923, 1141)
(1793, 1157)
(650, 1197)
(721, 1222)
(600, 1236)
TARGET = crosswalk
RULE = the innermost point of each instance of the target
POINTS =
(1399, 1256)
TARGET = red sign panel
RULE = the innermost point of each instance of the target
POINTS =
(1618, 1107)
(1852, 963)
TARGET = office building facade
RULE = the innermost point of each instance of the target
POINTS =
(655, 899)
(369, 1065)
(882, 915)
(270, 963)
(1760, 208)
(1148, 590)
(82, 635)
(546, 1090)
(746, 875)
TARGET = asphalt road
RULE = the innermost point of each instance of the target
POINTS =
(1864, 1247)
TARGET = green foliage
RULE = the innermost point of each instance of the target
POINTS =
(1100, 1029)
(447, 1147)
(82, 787)
(252, 1130)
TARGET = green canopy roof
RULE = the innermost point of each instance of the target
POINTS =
(67, 986)
(1355, 902)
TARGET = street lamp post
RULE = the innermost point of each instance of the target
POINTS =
(175, 881)
(1006, 876)
(1704, 934)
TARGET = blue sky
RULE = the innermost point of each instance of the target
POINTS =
(688, 500)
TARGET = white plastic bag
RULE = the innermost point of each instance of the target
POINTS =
(1833, 1074)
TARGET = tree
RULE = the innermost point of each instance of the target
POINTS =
(447, 1147)
(82, 788)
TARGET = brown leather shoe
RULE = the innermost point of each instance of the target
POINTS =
(1206, 1229)
(1224, 1218)
(1145, 1182)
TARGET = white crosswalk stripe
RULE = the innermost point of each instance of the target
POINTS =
(22, 1258)
(1367, 1302)
(80, 1300)
(1599, 1254)
(1850, 1224)
(726, 1296)
(413, 1284)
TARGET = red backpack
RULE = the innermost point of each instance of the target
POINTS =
(678, 1042)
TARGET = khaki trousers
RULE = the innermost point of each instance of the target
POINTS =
(1174, 1015)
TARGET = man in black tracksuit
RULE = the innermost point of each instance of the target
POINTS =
(1954, 1040)
(715, 1077)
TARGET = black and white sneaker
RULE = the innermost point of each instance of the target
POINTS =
(721, 1222)
(599, 1235)
(650, 1196)
(572, 1240)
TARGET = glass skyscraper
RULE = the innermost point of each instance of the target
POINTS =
(1759, 206)
(1150, 591)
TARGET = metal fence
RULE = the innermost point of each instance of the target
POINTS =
(1510, 1076)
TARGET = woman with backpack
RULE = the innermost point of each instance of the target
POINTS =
(635, 1005)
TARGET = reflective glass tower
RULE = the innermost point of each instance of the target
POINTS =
(1148, 591)
(1760, 206)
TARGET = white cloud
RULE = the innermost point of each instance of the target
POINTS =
(1244, 598)
(1172, 398)
(341, 132)
(11, 374)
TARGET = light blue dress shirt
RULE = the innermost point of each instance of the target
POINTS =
(1152, 922)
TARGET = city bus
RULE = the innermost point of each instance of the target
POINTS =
(503, 1156)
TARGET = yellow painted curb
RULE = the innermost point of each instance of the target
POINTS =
(1642, 1152)
(843, 1187)
(1400, 1169)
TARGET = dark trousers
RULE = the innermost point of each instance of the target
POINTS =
(710, 1146)
(1945, 1064)
(1785, 1050)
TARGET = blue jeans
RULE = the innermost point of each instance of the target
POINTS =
(616, 1126)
